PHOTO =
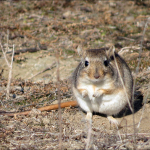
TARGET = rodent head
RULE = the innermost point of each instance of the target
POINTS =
(96, 64)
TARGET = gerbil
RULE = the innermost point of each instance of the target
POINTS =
(97, 83)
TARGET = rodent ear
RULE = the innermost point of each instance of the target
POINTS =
(110, 52)
(80, 51)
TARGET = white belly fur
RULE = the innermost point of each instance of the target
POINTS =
(107, 104)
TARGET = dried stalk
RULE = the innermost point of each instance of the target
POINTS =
(10, 65)
(10, 75)
(7, 40)
(4, 55)
(122, 83)
(124, 90)
(59, 102)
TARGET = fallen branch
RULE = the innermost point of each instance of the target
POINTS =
(46, 108)
(31, 50)
(125, 38)
(48, 68)
(15, 36)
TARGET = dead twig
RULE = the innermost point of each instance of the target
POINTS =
(125, 38)
(31, 50)
(142, 74)
(129, 134)
(15, 36)
(1, 73)
(46, 108)
(48, 68)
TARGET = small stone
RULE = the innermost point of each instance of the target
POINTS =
(35, 111)
(67, 14)
(14, 95)
(112, 4)
(140, 24)
(46, 121)
(129, 18)
(87, 33)
(85, 9)
(83, 17)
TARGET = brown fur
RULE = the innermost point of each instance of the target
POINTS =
(96, 68)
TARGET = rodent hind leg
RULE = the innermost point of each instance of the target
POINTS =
(113, 121)
(88, 116)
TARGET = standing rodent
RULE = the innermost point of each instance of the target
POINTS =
(98, 84)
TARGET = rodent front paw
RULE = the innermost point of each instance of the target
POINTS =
(84, 93)
(97, 94)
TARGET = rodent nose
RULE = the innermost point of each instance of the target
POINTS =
(96, 76)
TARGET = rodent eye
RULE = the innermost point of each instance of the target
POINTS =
(86, 63)
(112, 57)
(106, 62)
